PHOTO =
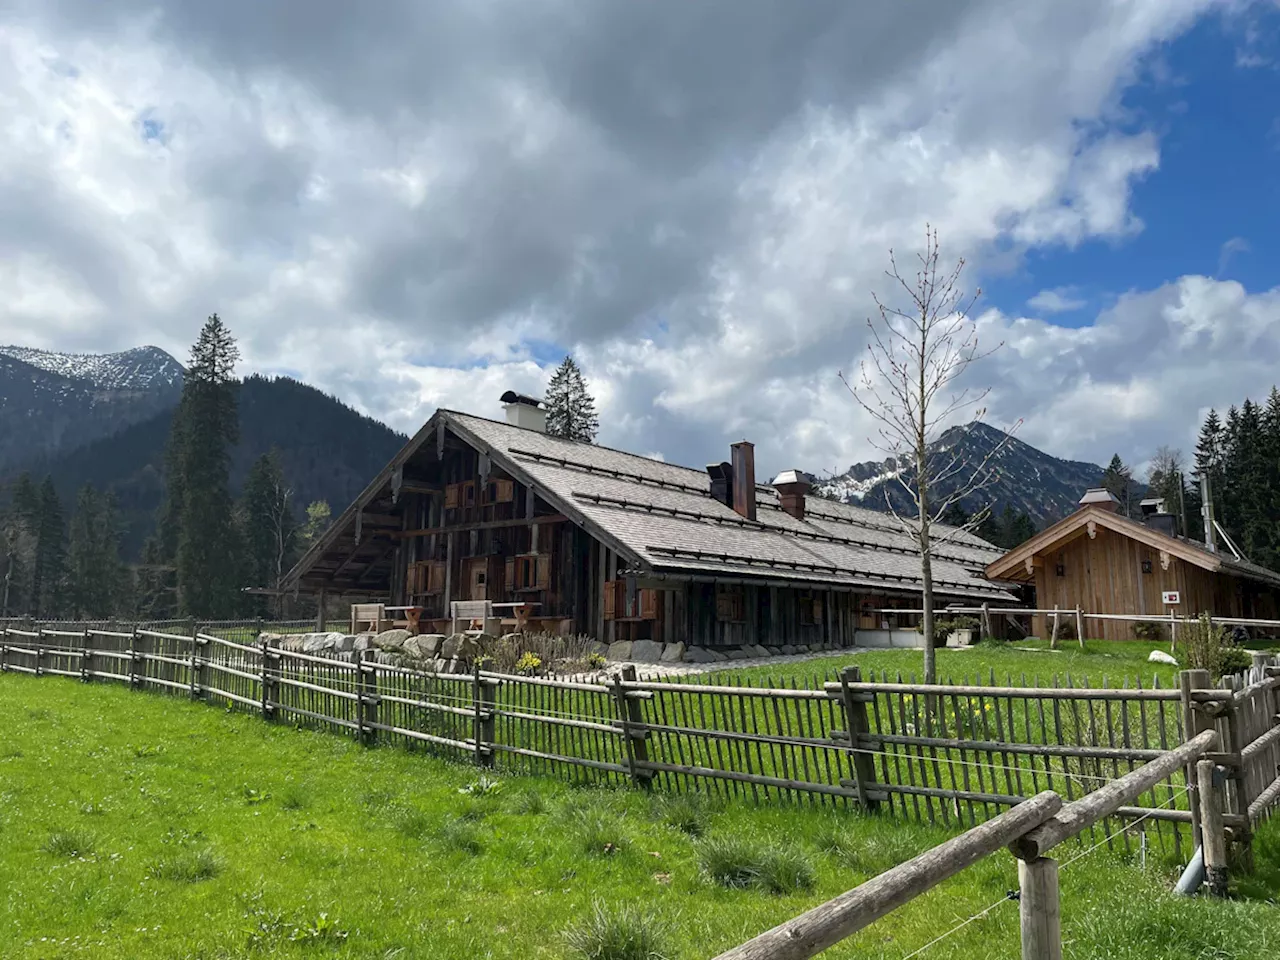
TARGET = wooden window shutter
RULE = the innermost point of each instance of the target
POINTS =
(504, 491)
(469, 493)
(451, 498)
(724, 606)
(648, 604)
(610, 599)
(511, 574)
(543, 572)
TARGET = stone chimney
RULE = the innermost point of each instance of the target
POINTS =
(792, 488)
(524, 412)
(1100, 497)
(743, 456)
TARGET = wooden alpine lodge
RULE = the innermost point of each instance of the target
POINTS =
(575, 538)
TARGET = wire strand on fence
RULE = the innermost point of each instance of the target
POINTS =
(1129, 826)
(961, 925)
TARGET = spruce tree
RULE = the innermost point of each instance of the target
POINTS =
(21, 531)
(270, 531)
(1118, 479)
(48, 587)
(571, 410)
(96, 579)
(198, 521)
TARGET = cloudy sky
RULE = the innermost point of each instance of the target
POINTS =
(414, 204)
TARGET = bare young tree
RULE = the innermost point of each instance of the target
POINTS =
(908, 385)
(283, 530)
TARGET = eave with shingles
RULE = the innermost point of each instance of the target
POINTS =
(661, 519)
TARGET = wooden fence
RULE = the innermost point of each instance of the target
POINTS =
(957, 754)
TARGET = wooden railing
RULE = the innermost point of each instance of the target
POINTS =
(1029, 830)
(954, 754)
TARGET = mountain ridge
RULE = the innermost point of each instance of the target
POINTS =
(1026, 479)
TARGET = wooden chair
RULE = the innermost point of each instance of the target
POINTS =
(472, 612)
(374, 615)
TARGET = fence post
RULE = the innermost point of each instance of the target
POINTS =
(4, 652)
(855, 711)
(268, 681)
(484, 696)
(1080, 625)
(987, 632)
(1214, 844)
(1053, 637)
(1238, 799)
(86, 659)
(1194, 722)
(1039, 909)
(197, 665)
(133, 659)
(39, 649)
(637, 740)
(367, 700)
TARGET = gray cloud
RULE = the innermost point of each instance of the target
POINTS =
(408, 204)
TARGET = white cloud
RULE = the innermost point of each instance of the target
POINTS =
(406, 206)
(1057, 300)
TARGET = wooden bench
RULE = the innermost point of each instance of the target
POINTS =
(374, 615)
(476, 616)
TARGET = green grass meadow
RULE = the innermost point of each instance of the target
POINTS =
(140, 826)
(1100, 663)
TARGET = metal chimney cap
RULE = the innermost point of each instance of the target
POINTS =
(789, 476)
(1098, 495)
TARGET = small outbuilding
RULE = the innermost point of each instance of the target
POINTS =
(1101, 561)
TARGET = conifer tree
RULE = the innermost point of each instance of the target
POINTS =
(197, 532)
(571, 410)
(48, 582)
(21, 531)
(96, 579)
(1118, 479)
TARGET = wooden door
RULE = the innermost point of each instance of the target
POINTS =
(478, 578)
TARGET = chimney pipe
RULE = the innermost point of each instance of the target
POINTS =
(721, 475)
(1210, 533)
(792, 488)
(744, 478)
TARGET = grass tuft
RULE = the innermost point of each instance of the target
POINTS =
(618, 932)
(530, 803)
(413, 822)
(70, 843)
(187, 866)
(687, 813)
(740, 862)
(295, 796)
(599, 833)
(461, 835)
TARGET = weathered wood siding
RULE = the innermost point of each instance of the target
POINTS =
(1104, 574)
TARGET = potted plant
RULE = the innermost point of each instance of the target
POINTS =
(958, 630)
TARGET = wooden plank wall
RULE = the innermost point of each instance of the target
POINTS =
(1104, 574)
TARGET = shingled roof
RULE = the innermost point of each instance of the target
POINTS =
(663, 520)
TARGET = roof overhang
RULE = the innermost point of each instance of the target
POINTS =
(1019, 564)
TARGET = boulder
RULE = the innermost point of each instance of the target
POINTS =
(364, 641)
(738, 653)
(595, 646)
(787, 649)
(802, 648)
(293, 643)
(673, 653)
(429, 644)
(619, 650)
(271, 638)
(393, 640)
(1159, 656)
(758, 651)
(464, 645)
(774, 651)
(699, 655)
(320, 642)
(344, 644)
(646, 651)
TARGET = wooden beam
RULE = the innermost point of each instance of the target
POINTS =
(482, 525)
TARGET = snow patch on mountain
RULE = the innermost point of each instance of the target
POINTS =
(142, 368)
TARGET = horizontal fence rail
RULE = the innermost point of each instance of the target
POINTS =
(957, 754)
